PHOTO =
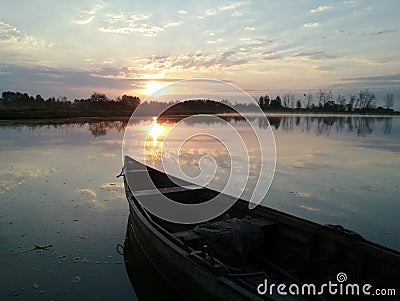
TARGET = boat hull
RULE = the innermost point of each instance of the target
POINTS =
(185, 275)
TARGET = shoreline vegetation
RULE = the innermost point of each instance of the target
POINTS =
(16, 105)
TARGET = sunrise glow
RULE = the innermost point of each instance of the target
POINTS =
(152, 87)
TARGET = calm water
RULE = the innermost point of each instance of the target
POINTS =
(58, 187)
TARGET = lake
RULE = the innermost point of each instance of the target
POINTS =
(59, 187)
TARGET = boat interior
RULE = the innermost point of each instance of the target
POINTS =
(249, 246)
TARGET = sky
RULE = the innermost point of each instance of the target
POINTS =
(72, 48)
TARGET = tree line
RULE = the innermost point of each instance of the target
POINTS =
(15, 105)
(323, 101)
(22, 105)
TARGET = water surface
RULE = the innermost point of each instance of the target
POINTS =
(58, 187)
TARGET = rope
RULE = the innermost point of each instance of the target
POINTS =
(120, 249)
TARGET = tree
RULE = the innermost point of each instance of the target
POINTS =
(309, 100)
(322, 98)
(389, 101)
(286, 100)
(98, 97)
(350, 105)
(264, 102)
(130, 101)
(366, 100)
(341, 103)
(276, 104)
(261, 103)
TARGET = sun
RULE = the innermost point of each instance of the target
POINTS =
(152, 87)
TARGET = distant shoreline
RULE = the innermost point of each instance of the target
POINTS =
(67, 118)
(21, 106)
(32, 114)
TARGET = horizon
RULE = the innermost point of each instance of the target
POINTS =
(263, 47)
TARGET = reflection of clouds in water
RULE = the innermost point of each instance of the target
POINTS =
(308, 165)
(108, 155)
(302, 194)
(108, 192)
(88, 193)
(191, 157)
(112, 185)
(11, 178)
(318, 154)
(117, 142)
(115, 191)
(89, 196)
(368, 163)
(308, 208)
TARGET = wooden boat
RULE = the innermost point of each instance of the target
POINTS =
(143, 275)
(245, 254)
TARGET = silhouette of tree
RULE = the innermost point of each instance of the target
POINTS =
(264, 102)
(98, 97)
(130, 101)
(389, 100)
(366, 100)
(276, 104)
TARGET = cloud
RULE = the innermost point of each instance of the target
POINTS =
(115, 18)
(324, 68)
(9, 33)
(390, 77)
(385, 31)
(230, 6)
(84, 20)
(272, 55)
(71, 83)
(173, 24)
(147, 30)
(216, 41)
(311, 25)
(210, 12)
(320, 8)
(316, 55)
(182, 12)
(13, 37)
(379, 84)
(202, 62)
(122, 23)
(87, 16)
(140, 17)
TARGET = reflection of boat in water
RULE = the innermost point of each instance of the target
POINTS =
(229, 258)
(146, 281)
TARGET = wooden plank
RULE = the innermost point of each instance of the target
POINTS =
(165, 190)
